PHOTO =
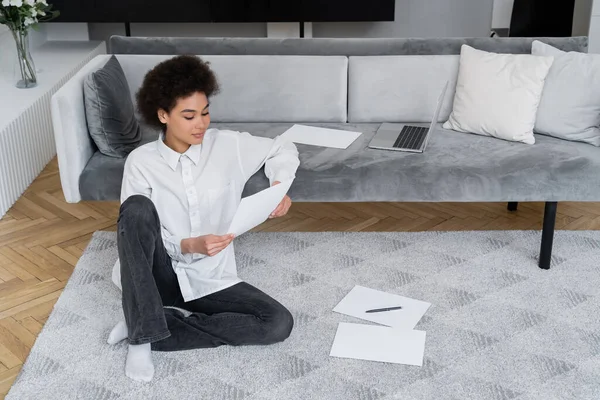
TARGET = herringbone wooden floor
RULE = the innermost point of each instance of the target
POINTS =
(42, 237)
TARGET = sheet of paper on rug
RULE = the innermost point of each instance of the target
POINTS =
(324, 137)
(360, 299)
(254, 210)
(379, 343)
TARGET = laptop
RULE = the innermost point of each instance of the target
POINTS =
(407, 137)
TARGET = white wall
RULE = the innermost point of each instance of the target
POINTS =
(7, 51)
(594, 44)
(502, 14)
(103, 31)
(581, 17)
(50, 31)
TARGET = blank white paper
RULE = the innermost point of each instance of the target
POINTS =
(361, 299)
(254, 210)
(379, 343)
(325, 137)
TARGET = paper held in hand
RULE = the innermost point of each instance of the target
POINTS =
(317, 136)
(254, 210)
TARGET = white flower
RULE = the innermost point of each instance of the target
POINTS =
(30, 2)
(5, 3)
(16, 3)
(29, 21)
(42, 2)
(42, 13)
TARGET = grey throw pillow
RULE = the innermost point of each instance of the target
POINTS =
(570, 104)
(109, 111)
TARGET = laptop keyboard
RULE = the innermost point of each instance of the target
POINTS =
(411, 137)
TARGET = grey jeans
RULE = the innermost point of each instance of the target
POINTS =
(238, 315)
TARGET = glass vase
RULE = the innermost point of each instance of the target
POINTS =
(25, 68)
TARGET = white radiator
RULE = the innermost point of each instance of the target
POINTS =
(27, 143)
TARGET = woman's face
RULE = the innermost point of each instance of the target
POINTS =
(187, 122)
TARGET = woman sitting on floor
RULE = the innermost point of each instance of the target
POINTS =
(179, 194)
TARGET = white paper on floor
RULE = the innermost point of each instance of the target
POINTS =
(379, 343)
(396, 342)
(360, 299)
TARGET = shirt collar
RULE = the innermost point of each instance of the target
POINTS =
(172, 157)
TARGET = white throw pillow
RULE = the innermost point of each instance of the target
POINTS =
(498, 94)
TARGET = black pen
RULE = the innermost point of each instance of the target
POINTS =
(383, 309)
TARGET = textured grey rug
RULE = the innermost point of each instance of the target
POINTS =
(498, 328)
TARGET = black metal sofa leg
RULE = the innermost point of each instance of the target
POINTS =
(512, 206)
(548, 234)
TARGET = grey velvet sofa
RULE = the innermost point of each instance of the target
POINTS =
(270, 84)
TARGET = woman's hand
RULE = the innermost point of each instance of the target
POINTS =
(283, 206)
(209, 245)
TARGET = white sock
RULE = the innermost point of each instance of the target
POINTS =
(139, 366)
(118, 333)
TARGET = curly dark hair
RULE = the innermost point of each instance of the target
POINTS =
(170, 80)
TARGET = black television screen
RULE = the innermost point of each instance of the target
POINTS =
(538, 18)
(223, 10)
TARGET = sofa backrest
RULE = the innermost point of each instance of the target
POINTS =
(268, 79)
(400, 88)
(266, 88)
(331, 46)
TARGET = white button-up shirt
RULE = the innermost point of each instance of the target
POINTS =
(197, 193)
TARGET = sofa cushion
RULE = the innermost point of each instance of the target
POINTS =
(101, 178)
(498, 94)
(455, 167)
(267, 88)
(399, 88)
(570, 104)
(109, 110)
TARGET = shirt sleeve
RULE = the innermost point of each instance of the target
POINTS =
(279, 156)
(173, 246)
(134, 183)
